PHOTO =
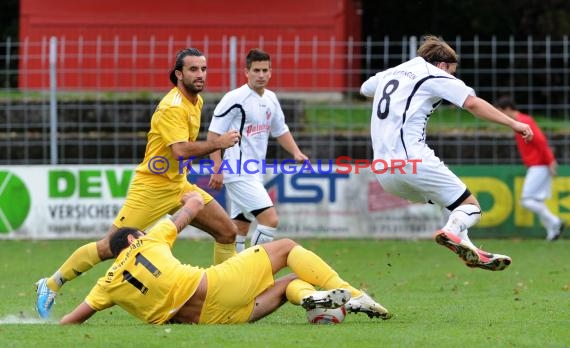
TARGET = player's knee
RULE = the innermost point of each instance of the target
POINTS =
(273, 221)
(286, 243)
(226, 233)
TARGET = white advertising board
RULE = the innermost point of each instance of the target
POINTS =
(81, 201)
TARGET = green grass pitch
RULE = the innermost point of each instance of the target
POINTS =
(436, 300)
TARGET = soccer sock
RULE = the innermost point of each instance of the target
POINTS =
(547, 219)
(222, 252)
(463, 235)
(82, 260)
(298, 289)
(262, 234)
(462, 217)
(240, 243)
(309, 267)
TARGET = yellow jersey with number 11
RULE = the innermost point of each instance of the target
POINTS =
(146, 280)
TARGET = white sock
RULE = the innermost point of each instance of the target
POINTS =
(547, 219)
(463, 235)
(262, 234)
(462, 218)
(240, 243)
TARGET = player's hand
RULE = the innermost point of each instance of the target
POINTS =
(553, 168)
(216, 181)
(228, 139)
(300, 157)
(524, 130)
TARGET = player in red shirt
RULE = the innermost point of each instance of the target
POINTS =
(539, 159)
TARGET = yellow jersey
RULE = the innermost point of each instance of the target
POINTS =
(175, 120)
(146, 280)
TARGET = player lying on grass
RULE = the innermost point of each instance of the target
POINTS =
(147, 280)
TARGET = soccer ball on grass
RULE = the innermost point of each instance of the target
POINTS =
(326, 315)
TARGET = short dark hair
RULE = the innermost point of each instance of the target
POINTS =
(505, 102)
(179, 63)
(119, 240)
(256, 55)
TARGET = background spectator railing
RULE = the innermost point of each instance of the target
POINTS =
(108, 89)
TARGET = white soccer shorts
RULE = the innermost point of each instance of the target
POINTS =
(246, 196)
(432, 182)
(537, 183)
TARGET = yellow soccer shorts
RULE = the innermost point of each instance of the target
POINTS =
(233, 286)
(146, 204)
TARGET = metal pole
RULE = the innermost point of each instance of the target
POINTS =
(53, 99)
(233, 62)
(413, 46)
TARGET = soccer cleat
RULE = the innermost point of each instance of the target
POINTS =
(491, 262)
(467, 253)
(45, 298)
(326, 299)
(554, 235)
(365, 304)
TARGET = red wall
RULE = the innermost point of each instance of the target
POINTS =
(125, 45)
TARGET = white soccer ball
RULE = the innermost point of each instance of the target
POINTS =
(326, 315)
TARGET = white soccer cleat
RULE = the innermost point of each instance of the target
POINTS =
(326, 299)
(555, 233)
(365, 304)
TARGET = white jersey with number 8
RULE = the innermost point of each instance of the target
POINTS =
(404, 98)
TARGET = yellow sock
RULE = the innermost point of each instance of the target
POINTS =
(298, 289)
(309, 267)
(222, 252)
(82, 260)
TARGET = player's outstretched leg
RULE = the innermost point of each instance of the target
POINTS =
(310, 268)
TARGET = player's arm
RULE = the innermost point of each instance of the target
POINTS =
(193, 203)
(368, 88)
(189, 149)
(486, 111)
(287, 141)
(79, 315)
(216, 180)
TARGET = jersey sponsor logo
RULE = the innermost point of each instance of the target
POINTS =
(257, 128)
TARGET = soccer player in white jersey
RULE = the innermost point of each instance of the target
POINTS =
(256, 113)
(404, 97)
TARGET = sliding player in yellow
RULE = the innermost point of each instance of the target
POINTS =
(160, 181)
(151, 284)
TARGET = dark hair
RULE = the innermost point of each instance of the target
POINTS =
(256, 55)
(179, 63)
(119, 240)
(434, 49)
(505, 102)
